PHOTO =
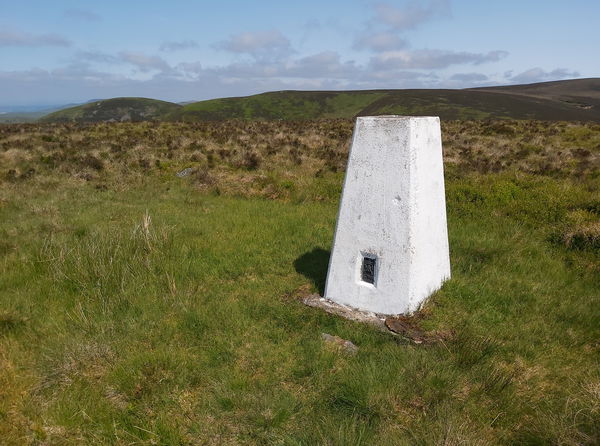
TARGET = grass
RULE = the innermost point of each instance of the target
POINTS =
(142, 308)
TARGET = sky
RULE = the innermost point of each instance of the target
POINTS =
(67, 51)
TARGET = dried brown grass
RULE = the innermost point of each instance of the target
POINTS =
(129, 150)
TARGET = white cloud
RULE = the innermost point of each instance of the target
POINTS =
(411, 14)
(143, 62)
(431, 59)
(407, 79)
(381, 41)
(191, 68)
(324, 64)
(327, 64)
(95, 56)
(469, 77)
(17, 38)
(539, 75)
(259, 44)
(177, 46)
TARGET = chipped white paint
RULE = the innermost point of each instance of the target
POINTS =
(393, 208)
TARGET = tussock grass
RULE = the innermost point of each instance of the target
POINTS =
(276, 159)
(10, 322)
(166, 310)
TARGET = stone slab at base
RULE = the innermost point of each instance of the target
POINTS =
(353, 314)
(397, 325)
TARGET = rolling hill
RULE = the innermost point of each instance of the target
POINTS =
(582, 93)
(114, 110)
(22, 114)
(21, 117)
(571, 100)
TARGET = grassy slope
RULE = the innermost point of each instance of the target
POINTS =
(563, 100)
(117, 109)
(583, 94)
(471, 104)
(585, 90)
(448, 104)
(186, 327)
(285, 105)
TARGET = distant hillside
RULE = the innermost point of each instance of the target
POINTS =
(579, 93)
(114, 110)
(572, 100)
(21, 114)
(515, 102)
(285, 105)
(586, 90)
(19, 117)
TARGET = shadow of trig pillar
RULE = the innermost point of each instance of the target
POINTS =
(390, 251)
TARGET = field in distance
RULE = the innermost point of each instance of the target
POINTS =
(571, 100)
(142, 307)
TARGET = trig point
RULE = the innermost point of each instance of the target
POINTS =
(390, 251)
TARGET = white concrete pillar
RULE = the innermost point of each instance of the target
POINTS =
(390, 250)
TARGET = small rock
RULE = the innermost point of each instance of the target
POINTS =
(185, 172)
(340, 343)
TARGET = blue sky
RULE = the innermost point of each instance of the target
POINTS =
(60, 51)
